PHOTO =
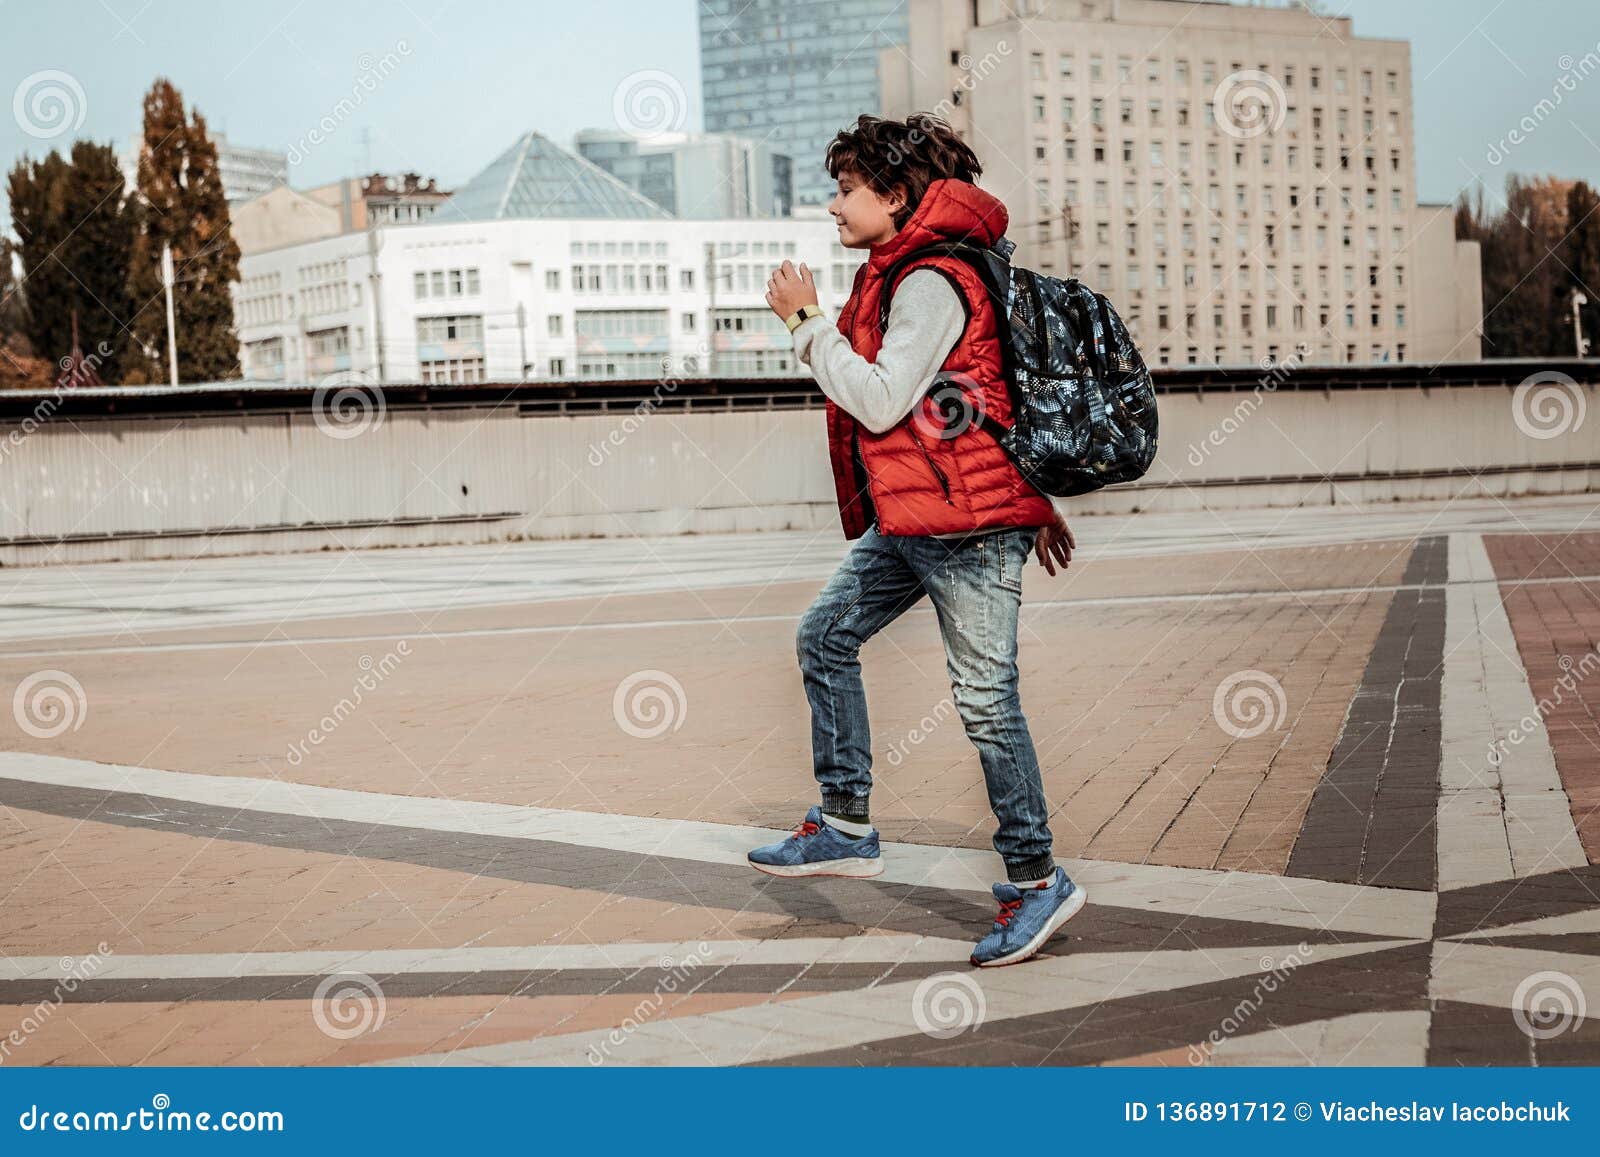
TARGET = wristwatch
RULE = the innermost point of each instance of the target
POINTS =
(800, 315)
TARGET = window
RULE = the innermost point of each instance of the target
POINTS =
(435, 330)
(553, 325)
(552, 279)
(419, 285)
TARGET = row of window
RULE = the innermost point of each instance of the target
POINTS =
(457, 328)
(1158, 154)
(1154, 71)
(1247, 356)
(1272, 318)
(436, 283)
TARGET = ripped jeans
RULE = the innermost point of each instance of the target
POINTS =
(975, 585)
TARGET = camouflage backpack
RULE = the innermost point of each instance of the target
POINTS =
(1082, 402)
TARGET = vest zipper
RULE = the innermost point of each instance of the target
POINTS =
(944, 483)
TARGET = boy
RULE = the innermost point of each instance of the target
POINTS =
(933, 509)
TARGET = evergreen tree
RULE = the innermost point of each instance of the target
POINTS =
(184, 207)
(77, 230)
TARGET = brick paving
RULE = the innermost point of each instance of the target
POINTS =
(1246, 730)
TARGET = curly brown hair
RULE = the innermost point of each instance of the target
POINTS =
(902, 156)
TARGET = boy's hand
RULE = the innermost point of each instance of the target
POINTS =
(789, 288)
(1055, 541)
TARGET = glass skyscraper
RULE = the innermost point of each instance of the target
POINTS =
(794, 75)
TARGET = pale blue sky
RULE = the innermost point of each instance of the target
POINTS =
(473, 74)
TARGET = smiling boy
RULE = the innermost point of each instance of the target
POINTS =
(932, 509)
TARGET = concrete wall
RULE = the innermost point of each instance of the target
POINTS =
(118, 488)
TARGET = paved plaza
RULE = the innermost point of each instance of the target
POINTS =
(1330, 776)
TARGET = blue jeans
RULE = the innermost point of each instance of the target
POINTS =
(975, 585)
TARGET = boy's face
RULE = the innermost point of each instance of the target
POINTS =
(864, 218)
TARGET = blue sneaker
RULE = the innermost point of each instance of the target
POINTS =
(1027, 919)
(815, 849)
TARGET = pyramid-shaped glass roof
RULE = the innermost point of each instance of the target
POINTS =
(538, 178)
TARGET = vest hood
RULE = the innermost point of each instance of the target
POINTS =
(951, 210)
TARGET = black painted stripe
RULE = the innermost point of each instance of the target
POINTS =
(1373, 817)
(819, 907)
(1391, 980)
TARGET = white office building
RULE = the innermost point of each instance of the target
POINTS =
(1241, 180)
(542, 267)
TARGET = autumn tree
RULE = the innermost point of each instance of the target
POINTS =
(1525, 280)
(1582, 258)
(184, 207)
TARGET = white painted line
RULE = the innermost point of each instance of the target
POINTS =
(1312, 904)
(1497, 977)
(689, 955)
(1503, 813)
(1586, 920)
(832, 1020)
(1361, 1039)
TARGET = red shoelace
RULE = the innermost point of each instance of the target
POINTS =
(1008, 909)
(806, 829)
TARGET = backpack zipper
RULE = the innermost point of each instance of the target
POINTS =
(944, 483)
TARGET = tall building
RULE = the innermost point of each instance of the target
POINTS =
(245, 172)
(1240, 180)
(248, 172)
(696, 175)
(793, 75)
(541, 266)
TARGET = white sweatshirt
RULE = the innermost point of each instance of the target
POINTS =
(925, 322)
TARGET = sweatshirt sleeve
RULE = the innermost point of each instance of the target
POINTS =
(926, 318)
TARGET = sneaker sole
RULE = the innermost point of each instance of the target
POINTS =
(1028, 951)
(858, 868)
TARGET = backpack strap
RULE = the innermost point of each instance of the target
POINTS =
(987, 264)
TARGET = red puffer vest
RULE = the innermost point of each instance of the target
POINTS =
(918, 482)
